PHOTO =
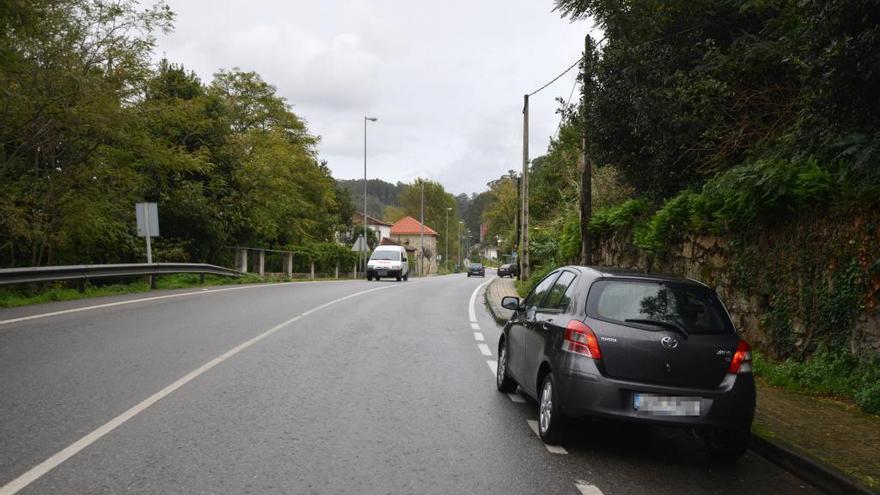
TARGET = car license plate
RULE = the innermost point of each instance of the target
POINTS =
(664, 405)
(382, 273)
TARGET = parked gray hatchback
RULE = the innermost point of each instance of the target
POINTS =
(631, 346)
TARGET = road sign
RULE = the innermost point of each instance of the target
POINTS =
(360, 245)
(147, 215)
(147, 219)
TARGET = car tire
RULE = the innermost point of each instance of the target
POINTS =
(399, 278)
(551, 423)
(503, 380)
(727, 444)
(369, 278)
(406, 277)
(469, 275)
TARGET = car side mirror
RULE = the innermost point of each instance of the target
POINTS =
(510, 302)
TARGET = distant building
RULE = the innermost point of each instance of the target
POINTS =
(407, 232)
(381, 228)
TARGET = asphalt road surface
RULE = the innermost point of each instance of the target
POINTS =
(323, 387)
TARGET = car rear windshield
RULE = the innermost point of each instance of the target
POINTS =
(386, 255)
(476, 265)
(694, 308)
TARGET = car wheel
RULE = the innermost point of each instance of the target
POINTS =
(502, 379)
(469, 275)
(727, 444)
(406, 277)
(551, 423)
(399, 278)
(369, 278)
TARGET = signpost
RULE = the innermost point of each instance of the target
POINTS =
(361, 246)
(147, 215)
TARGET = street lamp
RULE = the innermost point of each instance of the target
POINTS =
(371, 119)
(460, 225)
(446, 235)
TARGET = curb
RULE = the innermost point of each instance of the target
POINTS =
(821, 475)
(498, 318)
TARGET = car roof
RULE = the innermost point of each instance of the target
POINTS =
(616, 272)
(388, 248)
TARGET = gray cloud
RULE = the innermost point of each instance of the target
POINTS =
(445, 79)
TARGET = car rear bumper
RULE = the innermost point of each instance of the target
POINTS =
(730, 405)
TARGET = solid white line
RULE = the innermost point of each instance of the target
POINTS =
(44, 467)
(472, 311)
(475, 326)
(493, 365)
(516, 398)
(586, 488)
(553, 449)
(199, 292)
(485, 349)
(479, 336)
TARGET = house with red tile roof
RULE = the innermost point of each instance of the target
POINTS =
(410, 232)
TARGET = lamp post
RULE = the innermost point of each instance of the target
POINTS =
(371, 119)
(446, 235)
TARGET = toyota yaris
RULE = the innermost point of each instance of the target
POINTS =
(629, 346)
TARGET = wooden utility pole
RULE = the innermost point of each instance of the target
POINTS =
(524, 230)
(586, 168)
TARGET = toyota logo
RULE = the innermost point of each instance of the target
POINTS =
(669, 342)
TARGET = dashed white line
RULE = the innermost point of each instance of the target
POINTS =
(493, 366)
(44, 467)
(516, 398)
(553, 449)
(479, 337)
(475, 326)
(484, 349)
(586, 488)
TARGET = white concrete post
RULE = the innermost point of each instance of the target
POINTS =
(288, 265)
(312, 268)
(241, 260)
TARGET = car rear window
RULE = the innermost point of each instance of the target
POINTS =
(696, 309)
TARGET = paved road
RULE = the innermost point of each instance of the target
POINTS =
(328, 387)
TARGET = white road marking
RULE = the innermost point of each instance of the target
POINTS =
(553, 449)
(493, 365)
(516, 398)
(44, 467)
(479, 336)
(472, 311)
(485, 349)
(199, 292)
(475, 326)
(586, 488)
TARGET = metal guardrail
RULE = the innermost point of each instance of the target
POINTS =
(11, 276)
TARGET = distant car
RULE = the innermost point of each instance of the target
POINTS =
(629, 346)
(476, 269)
(388, 261)
(508, 270)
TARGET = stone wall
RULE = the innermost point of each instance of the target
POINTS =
(789, 287)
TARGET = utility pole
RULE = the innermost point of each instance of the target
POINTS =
(422, 226)
(460, 225)
(446, 235)
(587, 168)
(524, 231)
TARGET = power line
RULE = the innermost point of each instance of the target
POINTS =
(567, 103)
(572, 66)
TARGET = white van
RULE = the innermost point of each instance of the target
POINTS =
(388, 261)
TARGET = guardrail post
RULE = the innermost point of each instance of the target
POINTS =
(354, 271)
(152, 280)
(288, 264)
(241, 261)
(312, 268)
(202, 278)
(81, 285)
(260, 261)
(337, 270)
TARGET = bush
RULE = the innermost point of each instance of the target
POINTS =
(826, 372)
(523, 287)
(615, 217)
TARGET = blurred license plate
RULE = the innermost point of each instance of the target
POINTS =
(382, 272)
(664, 405)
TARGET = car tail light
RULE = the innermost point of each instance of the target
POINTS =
(580, 339)
(742, 359)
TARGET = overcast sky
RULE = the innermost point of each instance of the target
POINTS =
(445, 79)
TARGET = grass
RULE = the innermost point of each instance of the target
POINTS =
(61, 291)
(826, 373)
